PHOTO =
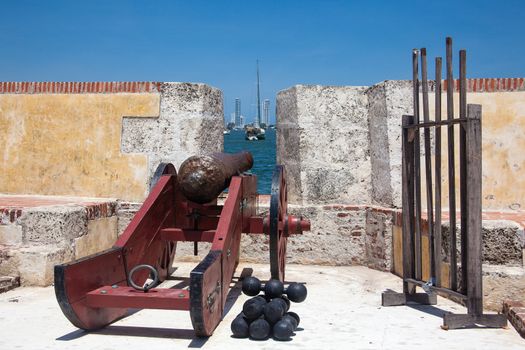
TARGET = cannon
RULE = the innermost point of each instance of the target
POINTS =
(99, 289)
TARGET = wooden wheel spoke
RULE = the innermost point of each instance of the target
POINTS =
(278, 227)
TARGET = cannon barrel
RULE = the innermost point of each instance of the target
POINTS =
(203, 178)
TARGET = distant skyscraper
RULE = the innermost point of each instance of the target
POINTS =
(238, 122)
(241, 121)
(258, 118)
(266, 109)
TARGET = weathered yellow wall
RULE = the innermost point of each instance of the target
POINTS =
(397, 243)
(69, 144)
(425, 259)
(503, 145)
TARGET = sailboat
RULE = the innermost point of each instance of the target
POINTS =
(255, 132)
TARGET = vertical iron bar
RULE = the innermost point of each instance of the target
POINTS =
(408, 202)
(437, 176)
(463, 185)
(428, 166)
(474, 251)
(451, 169)
(417, 166)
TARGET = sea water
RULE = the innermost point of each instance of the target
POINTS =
(263, 152)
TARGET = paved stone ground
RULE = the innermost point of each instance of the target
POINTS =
(342, 311)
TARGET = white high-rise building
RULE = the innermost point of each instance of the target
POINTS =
(266, 112)
(238, 113)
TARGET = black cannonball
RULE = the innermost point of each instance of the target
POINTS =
(294, 315)
(251, 286)
(291, 319)
(283, 302)
(282, 330)
(273, 288)
(260, 298)
(253, 308)
(287, 301)
(240, 327)
(273, 311)
(296, 292)
(259, 329)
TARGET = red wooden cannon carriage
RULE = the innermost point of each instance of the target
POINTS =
(99, 289)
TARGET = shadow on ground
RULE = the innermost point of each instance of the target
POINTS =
(172, 333)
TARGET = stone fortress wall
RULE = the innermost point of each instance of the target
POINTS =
(77, 159)
(342, 150)
(343, 144)
(341, 147)
(101, 139)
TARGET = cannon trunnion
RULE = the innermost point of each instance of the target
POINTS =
(99, 289)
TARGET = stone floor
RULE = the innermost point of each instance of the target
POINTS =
(342, 311)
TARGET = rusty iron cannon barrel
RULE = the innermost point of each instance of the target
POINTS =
(203, 178)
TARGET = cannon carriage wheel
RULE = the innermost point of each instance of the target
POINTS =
(278, 224)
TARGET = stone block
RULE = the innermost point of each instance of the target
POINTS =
(35, 264)
(11, 234)
(190, 123)
(346, 145)
(8, 283)
(331, 106)
(52, 225)
(125, 213)
(388, 101)
(502, 242)
(381, 191)
(323, 141)
(101, 234)
(337, 237)
(287, 107)
(289, 155)
(8, 261)
(334, 185)
(379, 241)
(502, 283)
(398, 103)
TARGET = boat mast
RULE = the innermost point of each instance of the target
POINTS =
(258, 121)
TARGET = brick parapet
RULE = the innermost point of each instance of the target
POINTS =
(486, 85)
(85, 87)
(9, 215)
(515, 312)
(101, 210)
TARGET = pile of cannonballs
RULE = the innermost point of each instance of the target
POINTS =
(268, 315)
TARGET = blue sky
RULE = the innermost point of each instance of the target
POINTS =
(217, 42)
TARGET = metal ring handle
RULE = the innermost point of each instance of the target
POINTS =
(148, 286)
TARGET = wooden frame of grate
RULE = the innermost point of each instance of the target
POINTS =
(469, 289)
